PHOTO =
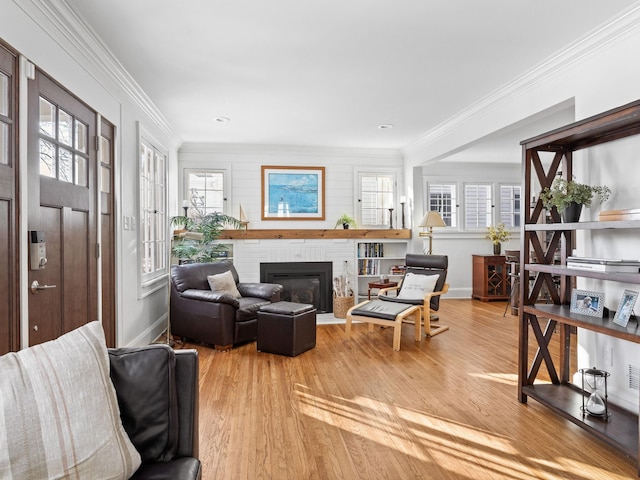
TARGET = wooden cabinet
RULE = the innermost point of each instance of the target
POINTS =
(545, 248)
(490, 278)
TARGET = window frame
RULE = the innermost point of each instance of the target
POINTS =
(394, 174)
(491, 206)
(151, 281)
(186, 171)
(455, 210)
(517, 209)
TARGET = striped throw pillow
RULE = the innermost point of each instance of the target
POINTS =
(59, 416)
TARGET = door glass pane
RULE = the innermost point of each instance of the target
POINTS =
(105, 151)
(81, 171)
(4, 94)
(65, 128)
(65, 161)
(47, 159)
(105, 185)
(47, 118)
(4, 143)
(81, 137)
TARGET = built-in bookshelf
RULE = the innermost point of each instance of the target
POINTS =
(376, 260)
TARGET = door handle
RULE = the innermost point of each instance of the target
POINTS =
(35, 286)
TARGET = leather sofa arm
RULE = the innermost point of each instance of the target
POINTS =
(187, 382)
(267, 291)
(210, 296)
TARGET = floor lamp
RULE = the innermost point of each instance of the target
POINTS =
(430, 220)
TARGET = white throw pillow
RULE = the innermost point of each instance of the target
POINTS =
(416, 286)
(224, 283)
(59, 415)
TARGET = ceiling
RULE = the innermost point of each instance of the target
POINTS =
(329, 72)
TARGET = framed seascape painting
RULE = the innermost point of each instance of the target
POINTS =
(292, 193)
(587, 303)
(625, 308)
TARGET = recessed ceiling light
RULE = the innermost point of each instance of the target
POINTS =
(385, 126)
(223, 119)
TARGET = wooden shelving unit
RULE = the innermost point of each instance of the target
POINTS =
(541, 263)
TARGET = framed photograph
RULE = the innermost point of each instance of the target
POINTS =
(625, 308)
(585, 302)
(292, 193)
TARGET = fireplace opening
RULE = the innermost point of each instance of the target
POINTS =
(302, 282)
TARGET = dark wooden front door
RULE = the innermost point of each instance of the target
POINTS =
(63, 206)
(9, 314)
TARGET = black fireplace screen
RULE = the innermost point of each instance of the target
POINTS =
(303, 282)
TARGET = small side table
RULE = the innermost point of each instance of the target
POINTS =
(379, 284)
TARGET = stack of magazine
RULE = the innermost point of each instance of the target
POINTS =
(603, 265)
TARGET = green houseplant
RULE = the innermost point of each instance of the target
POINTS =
(498, 235)
(346, 221)
(198, 243)
(568, 197)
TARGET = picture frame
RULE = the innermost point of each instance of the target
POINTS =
(586, 302)
(625, 308)
(293, 193)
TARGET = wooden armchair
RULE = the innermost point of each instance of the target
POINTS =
(424, 265)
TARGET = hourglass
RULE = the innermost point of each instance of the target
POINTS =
(596, 403)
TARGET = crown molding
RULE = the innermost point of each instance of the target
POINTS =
(621, 26)
(298, 150)
(95, 57)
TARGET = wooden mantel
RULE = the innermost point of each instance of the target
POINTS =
(296, 234)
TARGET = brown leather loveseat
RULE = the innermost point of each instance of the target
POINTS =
(216, 317)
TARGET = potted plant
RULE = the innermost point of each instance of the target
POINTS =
(497, 235)
(198, 244)
(569, 196)
(346, 221)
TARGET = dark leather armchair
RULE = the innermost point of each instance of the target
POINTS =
(157, 391)
(216, 318)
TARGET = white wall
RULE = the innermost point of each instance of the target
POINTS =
(70, 55)
(596, 74)
(244, 162)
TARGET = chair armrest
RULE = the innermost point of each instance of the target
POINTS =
(210, 296)
(427, 297)
(187, 383)
(267, 291)
(385, 291)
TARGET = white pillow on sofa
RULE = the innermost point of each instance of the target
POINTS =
(224, 283)
(416, 286)
(59, 415)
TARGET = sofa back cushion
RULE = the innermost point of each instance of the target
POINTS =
(145, 384)
(194, 275)
(59, 416)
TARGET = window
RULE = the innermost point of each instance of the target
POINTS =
(63, 144)
(153, 220)
(510, 205)
(205, 192)
(477, 204)
(443, 199)
(377, 191)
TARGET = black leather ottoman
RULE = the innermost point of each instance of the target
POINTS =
(286, 328)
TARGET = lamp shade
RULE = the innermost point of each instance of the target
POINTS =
(432, 219)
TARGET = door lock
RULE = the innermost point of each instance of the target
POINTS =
(35, 286)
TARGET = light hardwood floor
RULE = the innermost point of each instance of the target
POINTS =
(443, 408)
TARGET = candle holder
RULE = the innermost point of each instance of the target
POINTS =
(402, 205)
(390, 218)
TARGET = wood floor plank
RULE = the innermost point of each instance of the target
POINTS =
(444, 408)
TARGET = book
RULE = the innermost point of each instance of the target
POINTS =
(603, 265)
